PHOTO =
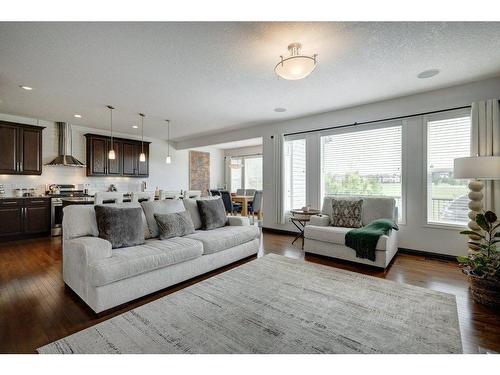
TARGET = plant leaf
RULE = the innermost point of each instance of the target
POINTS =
(482, 222)
(472, 232)
(490, 217)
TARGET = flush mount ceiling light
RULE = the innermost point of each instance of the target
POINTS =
(142, 156)
(77, 116)
(296, 66)
(135, 127)
(111, 153)
(428, 73)
(168, 159)
(27, 88)
(235, 164)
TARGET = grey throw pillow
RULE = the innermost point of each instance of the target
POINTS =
(212, 213)
(177, 224)
(347, 213)
(123, 227)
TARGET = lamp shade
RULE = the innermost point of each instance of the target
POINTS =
(478, 167)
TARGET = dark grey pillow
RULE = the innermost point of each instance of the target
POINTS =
(212, 213)
(177, 224)
(122, 227)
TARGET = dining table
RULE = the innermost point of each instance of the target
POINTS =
(244, 200)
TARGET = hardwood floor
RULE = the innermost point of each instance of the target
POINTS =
(36, 308)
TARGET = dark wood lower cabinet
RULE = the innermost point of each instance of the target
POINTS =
(24, 217)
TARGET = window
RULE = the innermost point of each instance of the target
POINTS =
(235, 169)
(295, 173)
(363, 162)
(246, 172)
(253, 172)
(447, 199)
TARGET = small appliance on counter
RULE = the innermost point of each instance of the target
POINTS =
(2, 191)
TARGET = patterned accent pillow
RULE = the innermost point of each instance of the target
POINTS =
(346, 213)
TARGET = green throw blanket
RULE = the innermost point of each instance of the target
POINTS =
(364, 240)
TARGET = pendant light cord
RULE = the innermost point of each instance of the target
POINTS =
(168, 137)
(142, 132)
(111, 122)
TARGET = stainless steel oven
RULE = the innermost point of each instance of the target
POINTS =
(58, 191)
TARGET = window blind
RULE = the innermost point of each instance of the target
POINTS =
(447, 199)
(363, 163)
(295, 173)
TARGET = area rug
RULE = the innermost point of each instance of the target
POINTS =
(280, 305)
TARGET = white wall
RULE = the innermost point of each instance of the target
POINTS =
(414, 234)
(174, 176)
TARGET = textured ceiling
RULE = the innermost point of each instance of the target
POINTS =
(209, 76)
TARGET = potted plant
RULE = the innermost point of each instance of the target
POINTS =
(482, 265)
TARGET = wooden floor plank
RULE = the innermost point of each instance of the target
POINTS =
(36, 308)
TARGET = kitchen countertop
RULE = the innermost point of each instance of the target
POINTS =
(35, 197)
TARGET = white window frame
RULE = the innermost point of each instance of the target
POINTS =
(297, 137)
(425, 119)
(378, 125)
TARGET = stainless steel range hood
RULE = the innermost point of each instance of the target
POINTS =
(65, 148)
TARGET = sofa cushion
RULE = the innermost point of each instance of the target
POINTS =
(373, 207)
(177, 224)
(166, 206)
(346, 213)
(122, 227)
(192, 207)
(212, 213)
(224, 238)
(336, 235)
(153, 254)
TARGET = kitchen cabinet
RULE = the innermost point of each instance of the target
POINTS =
(24, 217)
(20, 149)
(126, 161)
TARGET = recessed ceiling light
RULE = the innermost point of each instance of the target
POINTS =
(279, 109)
(77, 116)
(26, 88)
(135, 126)
(428, 73)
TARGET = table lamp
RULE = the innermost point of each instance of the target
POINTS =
(476, 168)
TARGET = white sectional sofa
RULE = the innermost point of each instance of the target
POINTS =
(104, 277)
(323, 239)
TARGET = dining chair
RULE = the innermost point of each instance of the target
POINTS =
(169, 194)
(214, 192)
(256, 206)
(143, 196)
(228, 202)
(249, 192)
(193, 194)
(240, 191)
(108, 197)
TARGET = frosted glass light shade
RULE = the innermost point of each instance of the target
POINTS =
(168, 159)
(111, 155)
(142, 157)
(295, 67)
(478, 167)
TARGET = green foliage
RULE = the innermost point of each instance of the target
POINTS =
(485, 262)
(352, 183)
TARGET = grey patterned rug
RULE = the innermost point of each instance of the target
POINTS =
(280, 305)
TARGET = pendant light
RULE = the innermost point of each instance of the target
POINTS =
(142, 156)
(111, 153)
(296, 66)
(168, 159)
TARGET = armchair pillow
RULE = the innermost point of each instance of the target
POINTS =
(212, 213)
(176, 224)
(122, 227)
(347, 213)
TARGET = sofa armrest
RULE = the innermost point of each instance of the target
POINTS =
(320, 221)
(238, 221)
(88, 249)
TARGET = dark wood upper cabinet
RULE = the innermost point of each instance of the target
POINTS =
(126, 161)
(96, 165)
(20, 149)
(115, 166)
(142, 166)
(130, 159)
